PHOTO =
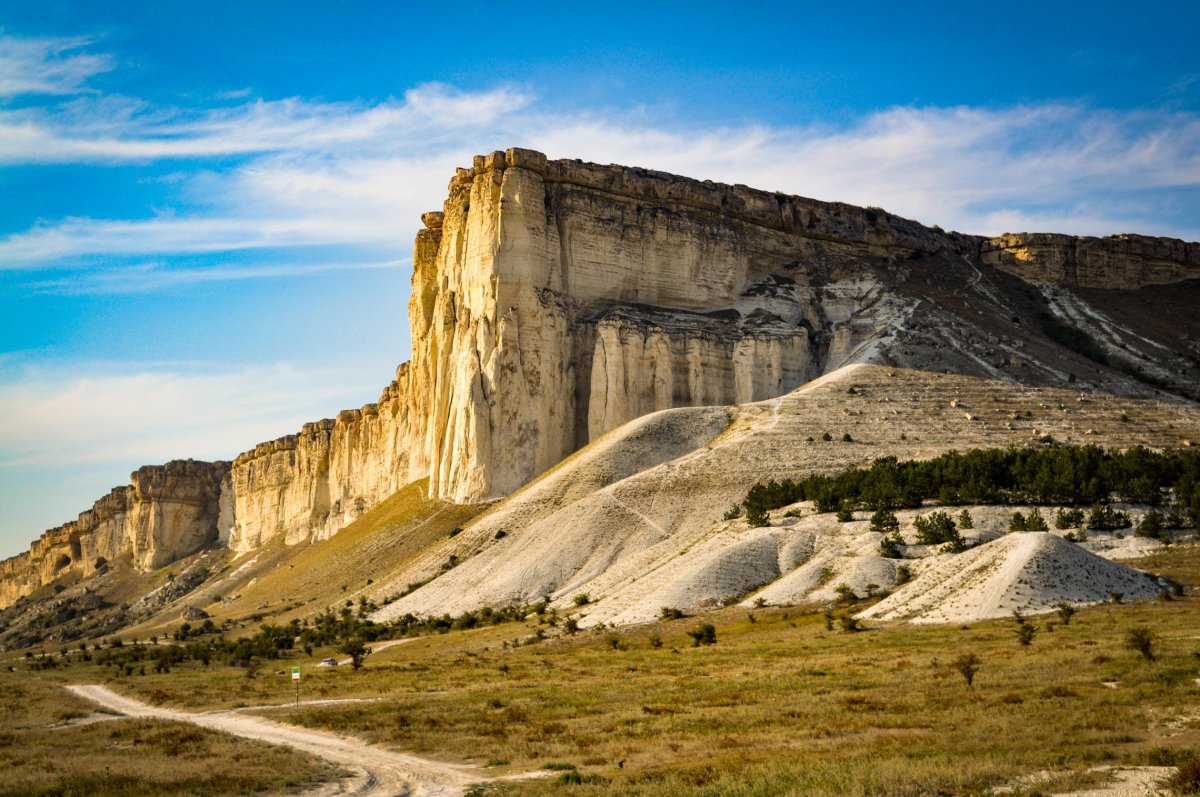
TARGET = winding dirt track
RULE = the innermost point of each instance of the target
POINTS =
(376, 772)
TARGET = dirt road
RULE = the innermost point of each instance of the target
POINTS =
(376, 772)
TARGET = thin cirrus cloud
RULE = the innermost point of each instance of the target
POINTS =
(358, 176)
(49, 65)
(153, 412)
(157, 276)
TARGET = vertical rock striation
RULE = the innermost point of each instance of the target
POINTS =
(553, 301)
(167, 511)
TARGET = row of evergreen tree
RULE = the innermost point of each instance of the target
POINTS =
(1059, 475)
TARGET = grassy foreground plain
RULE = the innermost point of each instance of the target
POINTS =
(52, 746)
(779, 705)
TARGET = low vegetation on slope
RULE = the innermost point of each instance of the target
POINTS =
(1069, 475)
(772, 701)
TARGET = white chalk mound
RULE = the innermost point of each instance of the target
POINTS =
(1026, 572)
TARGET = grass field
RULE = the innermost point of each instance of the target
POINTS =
(779, 705)
(44, 750)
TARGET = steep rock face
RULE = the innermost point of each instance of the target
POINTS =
(167, 511)
(312, 484)
(555, 300)
(1124, 262)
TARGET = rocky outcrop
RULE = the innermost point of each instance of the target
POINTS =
(167, 511)
(1123, 262)
(311, 484)
(555, 300)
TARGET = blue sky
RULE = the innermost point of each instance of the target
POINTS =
(207, 209)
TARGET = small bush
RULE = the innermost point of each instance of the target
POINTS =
(1065, 612)
(965, 521)
(1035, 522)
(1105, 518)
(1186, 779)
(845, 512)
(883, 521)
(733, 513)
(582, 599)
(903, 574)
(826, 437)
(890, 546)
(939, 528)
(846, 438)
(1141, 640)
(1017, 522)
(1025, 630)
(704, 635)
(849, 623)
(757, 517)
(1152, 526)
(671, 613)
(967, 665)
(1068, 519)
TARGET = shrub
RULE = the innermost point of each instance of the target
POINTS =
(1141, 640)
(849, 623)
(1035, 522)
(935, 529)
(671, 613)
(1068, 519)
(704, 635)
(903, 574)
(571, 626)
(1186, 778)
(845, 512)
(1017, 522)
(757, 517)
(656, 641)
(582, 599)
(846, 438)
(967, 665)
(965, 521)
(845, 594)
(889, 546)
(733, 513)
(884, 520)
(356, 649)
(1105, 518)
(1025, 630)
(1065, 612)
(1152, 526)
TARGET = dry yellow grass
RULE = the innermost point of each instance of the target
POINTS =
(780, 705)
(50, 745)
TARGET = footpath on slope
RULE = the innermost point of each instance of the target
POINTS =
(376, 772)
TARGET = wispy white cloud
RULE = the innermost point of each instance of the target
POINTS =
(115, 412)
(111, 129)
(48, 65)
(359, 175)
(157, 276)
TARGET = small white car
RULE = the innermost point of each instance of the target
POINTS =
(328, 663)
